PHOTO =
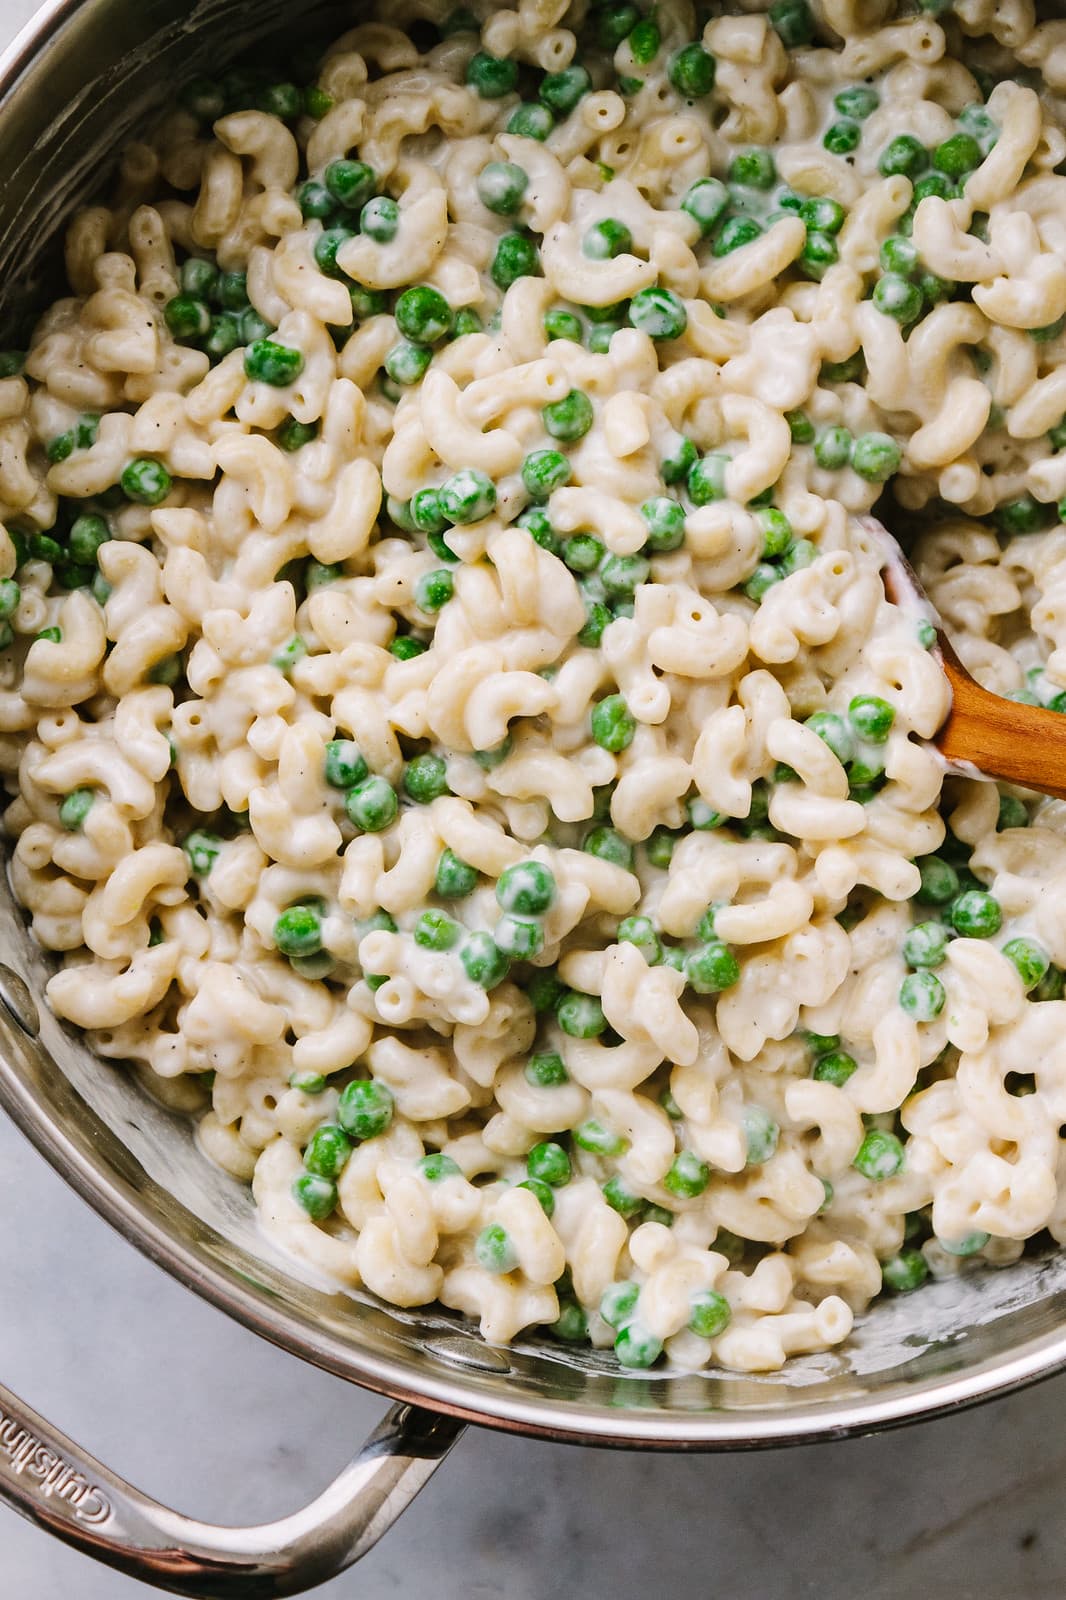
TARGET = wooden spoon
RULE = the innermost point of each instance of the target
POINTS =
(983, 735)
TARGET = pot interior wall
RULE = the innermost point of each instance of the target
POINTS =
(68, 108)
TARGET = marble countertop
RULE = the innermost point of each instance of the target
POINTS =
(199, 1412)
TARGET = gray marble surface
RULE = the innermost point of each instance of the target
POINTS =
(199, 1412)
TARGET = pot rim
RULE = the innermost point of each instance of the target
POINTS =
(121, 1204)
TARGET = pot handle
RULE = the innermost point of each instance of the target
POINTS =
(53, 1482)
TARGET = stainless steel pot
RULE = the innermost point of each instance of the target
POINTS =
(71, 87)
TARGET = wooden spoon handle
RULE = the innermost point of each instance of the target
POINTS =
(1002, 739)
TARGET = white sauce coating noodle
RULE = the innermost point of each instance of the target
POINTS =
(459, 741)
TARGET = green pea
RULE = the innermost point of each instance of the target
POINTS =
(926, 945)
(880, 1156)
(583, 552)
(488, 760)
(834, 732)
(692, 72)
(546, 1070)
(570, 418)
(676, 466)
(560, 324)
(88, 532)
(494, 1249)
(482, 962)
(328, 1152)
(822, 215)
(659, 313)
(835, 1067)
(645, 41)
(922, 995)
(366, 302)
(621, 1198)
(307, 1082)
(365, 1108)
(520, 938)
(407, 363)
(544, 990)
(710, 1313)
(711, 968)
(640, 931)
(531, 121)
(433, 590)
(898, 298)
(800, 427)
(905, 1272)
(858, 102)
(618, 1303)
(969, 1245)
(298, 931)
(761, 1134)
(267, 361)
(841, 138)
(436, 1166)
(293, 435)
(875, 457)
(753, 169)
(606, 239)
(435, 930)
(423, 314)
(10, 597)
(317, 1196)
(282, 100)
(665, 519)
(146, 482)
(793, 23)
(612, 724)
(326, 248)
(905, 154)
(351, 183)
(490, 76)
(976, 914)
(561, 91)
(701, 817)
(621, 576)
(405, 648)
(186, 317)
(528, 888)
(372, 804)
(707, 479)
(899, 258)
(688, 1175)
(776, 531)
(75, 807)
(581, 1015)
(516, 257)
(734, 233)
(592, 1136)
(706, 201)
(462, 20)
(871, 717)
(203, 99)
(223, 337)
(1031, 960)
(958, 155)
(201, 850)
(315, 201)
(940, 881)
(544, 471)
(425, 779)
(344, 766)
(832, 448)
(607, 844)
(1012, 812)
(380, 219)
(467, 497)
(455, 878)
(290, 654)
(502, 186)
(1024, 515)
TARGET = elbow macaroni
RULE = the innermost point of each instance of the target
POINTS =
(479, 762)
